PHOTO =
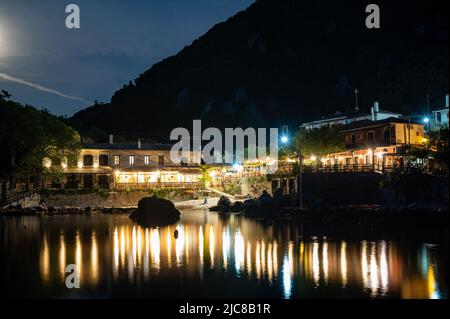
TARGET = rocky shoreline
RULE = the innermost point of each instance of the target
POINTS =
(66, 210)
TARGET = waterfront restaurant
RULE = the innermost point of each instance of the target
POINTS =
(377, 144)
(124, 166)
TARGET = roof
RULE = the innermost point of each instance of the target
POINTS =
(369, 123)
(124, 146)
(349, 115)
(149, 169)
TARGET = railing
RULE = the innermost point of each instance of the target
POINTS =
(341, 168)
(9, 199)
(157, 185)
(344, 168)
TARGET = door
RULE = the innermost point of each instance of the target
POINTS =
(88, 181)
(103, 181)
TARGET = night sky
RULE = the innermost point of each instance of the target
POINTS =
(64, 70)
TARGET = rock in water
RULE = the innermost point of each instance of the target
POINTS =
(224, 204)
(265, 201)
(153, 211)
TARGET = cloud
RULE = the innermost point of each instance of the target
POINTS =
(6, 77)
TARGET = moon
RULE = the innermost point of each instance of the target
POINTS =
(3, 44)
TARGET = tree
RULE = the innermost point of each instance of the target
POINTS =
(28, 136)
(205, 177)
(4, 95)
(319, 142)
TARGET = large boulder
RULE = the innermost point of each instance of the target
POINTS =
(153, 211)
(265, 201)
(224, 204)
(238, 207)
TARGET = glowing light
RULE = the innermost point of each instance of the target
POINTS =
(315, 264)
(201, 244)
(384, 272)
(364, 264)
(344, 263)
(373, 270)
(212, 173)
(62, 256)
(325, 261)
(211, 245)
(424, 140)
(313, 158)
(258, 260)
(239, 251)
(45, 260)
(94, 258)
(284, 139)
(426, 120)
(4, 48)
(47, 163)
(179, 244)
(238, 167)
(226, 242)
(116, 252)
(155, 248)
(78, 255)
(287, 284)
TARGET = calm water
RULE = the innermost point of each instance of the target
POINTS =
(213, 256)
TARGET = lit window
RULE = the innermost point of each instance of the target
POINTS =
(131, 160)
(116, 160)
(147, 160)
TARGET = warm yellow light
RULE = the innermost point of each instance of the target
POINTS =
(64, 165)
(212, 173)
(313, 158)
(80, 165)
(47, 162)
(424, 140)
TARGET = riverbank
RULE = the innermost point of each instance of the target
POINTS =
(43, 209)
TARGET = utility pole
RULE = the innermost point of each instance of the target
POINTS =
(300, 172)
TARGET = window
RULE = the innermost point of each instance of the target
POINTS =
(161, 160)
(88, 160)
(387, 134)
(103, 160)
(116, 160)
(147, 160)
(353, 139)
(370, 137)
(132, 158)
(438, 117)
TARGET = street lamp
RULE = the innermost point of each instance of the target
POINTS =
(284, 139)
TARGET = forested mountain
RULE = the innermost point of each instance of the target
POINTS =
(286, 62)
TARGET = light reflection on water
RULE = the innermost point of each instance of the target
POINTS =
(111, 250)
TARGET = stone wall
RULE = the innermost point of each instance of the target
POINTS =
(339, 188)
(344, 188)
(111, 199)
(27, 202)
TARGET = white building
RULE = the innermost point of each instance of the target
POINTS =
(440, 117)
(375, 114)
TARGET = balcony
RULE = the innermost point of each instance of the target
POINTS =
(193, 185)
